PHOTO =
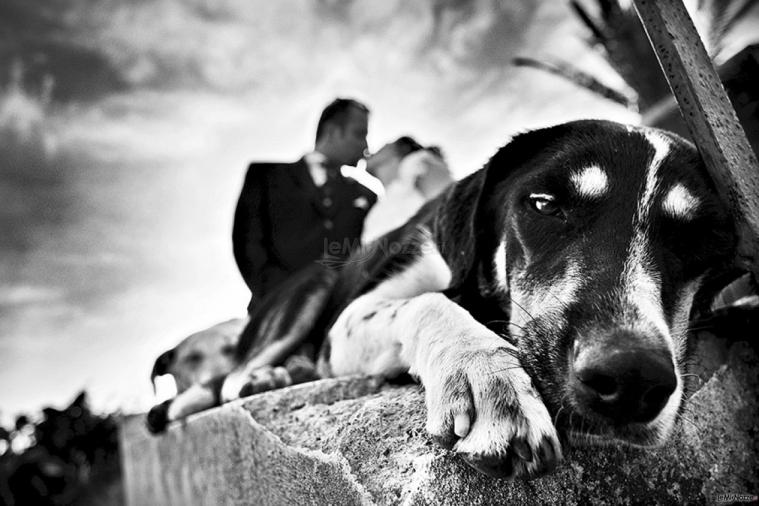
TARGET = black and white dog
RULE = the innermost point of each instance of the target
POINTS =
(547, 293)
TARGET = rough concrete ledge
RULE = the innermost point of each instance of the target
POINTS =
(357, 441)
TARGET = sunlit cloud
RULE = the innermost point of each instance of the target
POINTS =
(26, 294)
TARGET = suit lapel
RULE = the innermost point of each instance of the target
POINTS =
(301, 176)
(299, 173)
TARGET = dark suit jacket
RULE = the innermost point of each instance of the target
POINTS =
(284, 223)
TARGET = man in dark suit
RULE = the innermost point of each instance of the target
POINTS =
(291, 214)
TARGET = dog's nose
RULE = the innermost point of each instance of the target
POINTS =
(625, 385)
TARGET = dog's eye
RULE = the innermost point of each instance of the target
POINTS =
(227, 349)
(193, 359)
(545, 204)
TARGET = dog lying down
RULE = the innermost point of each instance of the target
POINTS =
(548, 293)
(202, 356)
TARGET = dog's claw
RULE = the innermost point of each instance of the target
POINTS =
(491, 466)
(549, 457)
(447, 440)
(461, 425)
(522, 449)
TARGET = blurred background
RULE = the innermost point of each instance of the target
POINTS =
(126, 129)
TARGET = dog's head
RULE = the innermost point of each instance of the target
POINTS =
(202, 356)
(604, 234)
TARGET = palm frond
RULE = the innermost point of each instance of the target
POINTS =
(578, 77)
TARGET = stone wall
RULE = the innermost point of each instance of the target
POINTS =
(359, 441)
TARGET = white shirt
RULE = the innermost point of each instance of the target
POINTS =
(399, 203)
(316, 168)
(403, 198)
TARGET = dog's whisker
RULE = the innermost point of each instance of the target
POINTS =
(685, 415)
(691, 422)
(522, 308)
(582, 426)
(504, 331)
(561, 408)
(571, 416)
(505, 322)
(556, 418)
(698, 328)
(496, 371)
(563, 304)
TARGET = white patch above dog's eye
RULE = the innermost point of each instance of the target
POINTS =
(679, 202)
(591, 181)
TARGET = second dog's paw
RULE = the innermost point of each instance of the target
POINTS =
(264, 379)
(489, 413)
(158, 417)
(297, 369)
(301, 369)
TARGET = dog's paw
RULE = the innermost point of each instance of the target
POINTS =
(301, 369)
(488, 412)
(158, 417)
(297, 369)
(264, 379)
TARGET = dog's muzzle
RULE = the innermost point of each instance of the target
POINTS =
(621, 383)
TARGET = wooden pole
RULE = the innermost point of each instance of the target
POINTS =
(709, 115)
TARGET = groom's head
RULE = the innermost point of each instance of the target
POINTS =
(341, 131)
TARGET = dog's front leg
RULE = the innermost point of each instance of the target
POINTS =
(480, 401)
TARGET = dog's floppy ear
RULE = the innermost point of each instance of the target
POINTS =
(161, 366)
(462, 225)
(454, 225)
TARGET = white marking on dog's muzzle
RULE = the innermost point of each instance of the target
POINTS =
(531, 301)
(640, 282)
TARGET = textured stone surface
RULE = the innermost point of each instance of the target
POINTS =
(356, 441)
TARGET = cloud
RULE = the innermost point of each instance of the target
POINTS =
(90, 48)
(28, 294)
(43, 38)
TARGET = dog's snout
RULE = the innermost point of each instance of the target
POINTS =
(624, 384)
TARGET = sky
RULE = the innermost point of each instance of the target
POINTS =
(126, 128)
